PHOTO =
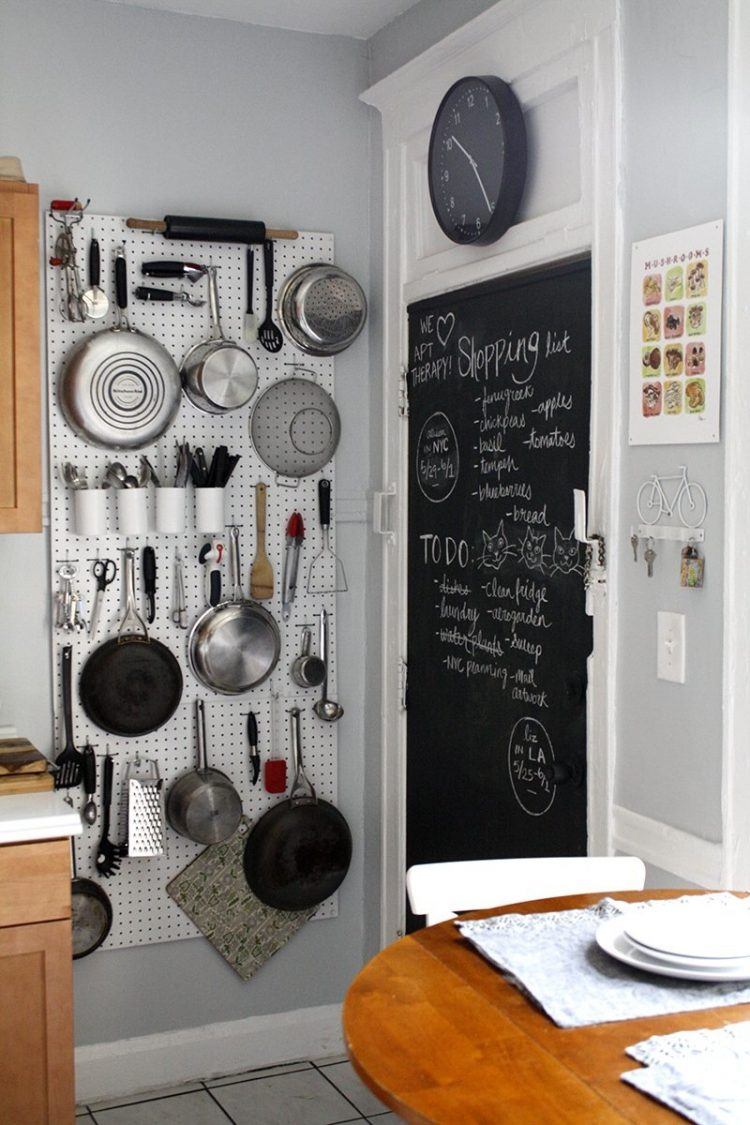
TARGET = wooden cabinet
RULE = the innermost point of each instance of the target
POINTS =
(20, 449)
(36, 984)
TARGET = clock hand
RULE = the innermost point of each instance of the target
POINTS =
(473, 163)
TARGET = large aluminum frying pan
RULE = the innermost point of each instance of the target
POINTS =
(235, 645)
(295, 427)
(300, 850)
(119, 389)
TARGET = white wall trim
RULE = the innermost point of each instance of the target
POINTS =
(736, 411)
(131, 1066)
(680, 853)
(579, 38)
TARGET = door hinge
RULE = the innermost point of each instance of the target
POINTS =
(403, 393)
(403, 683)
(381, 513)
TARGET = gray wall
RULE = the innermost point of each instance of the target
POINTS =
(675, 114)
(149, 113)
(418, 28)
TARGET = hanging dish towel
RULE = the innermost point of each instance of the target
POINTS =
(213, 892)
(704, 1075)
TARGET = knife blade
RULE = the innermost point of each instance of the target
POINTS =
(149, 582)
(252, 738)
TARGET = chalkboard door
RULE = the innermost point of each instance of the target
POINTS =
(498, 638)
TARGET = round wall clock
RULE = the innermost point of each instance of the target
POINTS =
(477, 160)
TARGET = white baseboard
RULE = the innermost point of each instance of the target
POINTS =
(131, 1066)
(690, 857)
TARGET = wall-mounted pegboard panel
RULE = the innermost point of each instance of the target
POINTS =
(143, 913)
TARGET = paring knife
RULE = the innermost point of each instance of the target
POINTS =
(149, 582)
(252, 738)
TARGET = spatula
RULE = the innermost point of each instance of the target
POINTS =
(70, 762)
(261, 572)
(270, 336)
(251, 320)
(327, 574)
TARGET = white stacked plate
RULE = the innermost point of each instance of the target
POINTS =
(690, 940)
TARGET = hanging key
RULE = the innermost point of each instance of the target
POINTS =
(649, 555)
(634, 541)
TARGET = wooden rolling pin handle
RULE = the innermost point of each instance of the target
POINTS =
(273, 234)
(146, 224)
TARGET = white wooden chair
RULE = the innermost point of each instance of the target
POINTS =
(439, 889)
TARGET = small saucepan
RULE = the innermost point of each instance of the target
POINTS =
(203, 804)
(218, 375)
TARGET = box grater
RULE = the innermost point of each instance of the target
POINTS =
(145, 791)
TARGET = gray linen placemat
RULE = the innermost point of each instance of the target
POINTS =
(704, 1075)
(555, 959)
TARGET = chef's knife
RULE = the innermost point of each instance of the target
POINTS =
(149, 582)
(252, 738)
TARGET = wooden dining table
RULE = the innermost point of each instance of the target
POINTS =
(440, 1035)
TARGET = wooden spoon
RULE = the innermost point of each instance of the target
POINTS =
(261, 572)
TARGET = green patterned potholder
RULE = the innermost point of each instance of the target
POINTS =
(214, 894)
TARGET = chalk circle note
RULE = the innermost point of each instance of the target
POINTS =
(437, 458)
(530, 753)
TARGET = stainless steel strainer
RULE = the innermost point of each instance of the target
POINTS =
(295, 427)
(321, 309)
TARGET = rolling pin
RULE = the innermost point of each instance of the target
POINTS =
(210, 230)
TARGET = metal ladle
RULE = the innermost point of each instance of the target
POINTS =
(326, 709)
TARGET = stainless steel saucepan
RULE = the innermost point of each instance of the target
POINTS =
(218, 375)
(203, 804)
(119, 389)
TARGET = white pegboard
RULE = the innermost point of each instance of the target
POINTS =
(143, 912)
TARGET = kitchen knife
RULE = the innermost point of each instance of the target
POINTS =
(149, 582)
(192, 271)
(252, 738)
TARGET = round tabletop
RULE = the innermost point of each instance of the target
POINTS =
(442, 1037)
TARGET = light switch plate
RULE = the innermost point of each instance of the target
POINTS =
(670, 647)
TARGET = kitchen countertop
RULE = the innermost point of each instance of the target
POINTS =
(36, 816)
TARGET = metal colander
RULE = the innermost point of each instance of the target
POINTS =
(295, 427)
(321, 309)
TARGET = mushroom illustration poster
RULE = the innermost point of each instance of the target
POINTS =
(675, 337)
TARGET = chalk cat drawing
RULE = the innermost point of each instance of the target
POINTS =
(495, 548)
(531, 550)
(566, 555)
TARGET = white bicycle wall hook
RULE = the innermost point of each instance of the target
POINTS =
(687, 500)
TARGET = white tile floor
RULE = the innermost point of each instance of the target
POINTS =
(323, 1092)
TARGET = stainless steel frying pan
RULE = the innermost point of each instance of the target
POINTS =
(119, 389)
(235, 645)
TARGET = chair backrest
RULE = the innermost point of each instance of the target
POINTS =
(439, 889)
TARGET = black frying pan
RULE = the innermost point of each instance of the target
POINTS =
(91, 912)
(131, 685)
(300, 850)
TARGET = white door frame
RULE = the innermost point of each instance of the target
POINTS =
(539, 46)
(735, 871)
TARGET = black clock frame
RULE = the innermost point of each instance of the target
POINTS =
(513, 177)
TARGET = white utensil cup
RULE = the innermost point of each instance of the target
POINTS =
(132, 512)
(209, 509)
(90, 510)
(170, 510)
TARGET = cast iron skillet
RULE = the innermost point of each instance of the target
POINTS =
(132, 684)
(300, 850)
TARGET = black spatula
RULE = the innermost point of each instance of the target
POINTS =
(269, 335)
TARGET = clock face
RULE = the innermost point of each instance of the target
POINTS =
(477, 160)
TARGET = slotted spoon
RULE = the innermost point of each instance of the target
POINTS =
(269, 335)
